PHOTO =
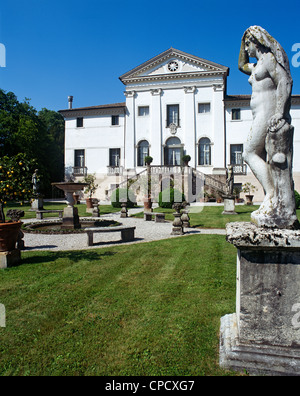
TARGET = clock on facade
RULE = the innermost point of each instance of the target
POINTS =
(173, 66)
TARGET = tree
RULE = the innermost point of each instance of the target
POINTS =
(15, 180)
(38, 135)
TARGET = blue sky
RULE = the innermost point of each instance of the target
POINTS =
(80, 48)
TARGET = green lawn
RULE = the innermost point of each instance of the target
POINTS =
(104, 209)
(143, 309)
(211, 216)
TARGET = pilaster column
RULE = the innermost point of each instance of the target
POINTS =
(189, 124)
(218, 127)
(130, 138)
(156, 127)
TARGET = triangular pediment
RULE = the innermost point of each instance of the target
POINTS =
(173, 64)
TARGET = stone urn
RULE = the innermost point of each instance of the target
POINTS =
(89, 203)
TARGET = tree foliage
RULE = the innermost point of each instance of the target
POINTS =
(39, 135)
(15, 180)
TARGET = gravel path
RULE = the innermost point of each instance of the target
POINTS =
(146, 231)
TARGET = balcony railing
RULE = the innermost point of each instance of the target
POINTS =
(79, 170)
(114, 170)
(239, 169)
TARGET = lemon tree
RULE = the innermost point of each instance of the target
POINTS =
(15, 180)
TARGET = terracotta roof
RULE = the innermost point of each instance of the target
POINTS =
(106, 106)
(237, 97)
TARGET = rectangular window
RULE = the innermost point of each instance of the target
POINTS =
(79, 122)
(114, 157)
(143, 111)
(79, 159)
(115, 120)
(173, 114)
(236, 151)
(235, 114)
(203, 108)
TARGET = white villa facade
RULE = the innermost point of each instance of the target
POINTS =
(176, 104)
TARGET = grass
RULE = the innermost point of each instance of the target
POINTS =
(126, 310)
(210, 216)
(104, 209)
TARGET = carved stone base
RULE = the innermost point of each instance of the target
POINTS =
(9, 259)
(263, 336)
(256, 359)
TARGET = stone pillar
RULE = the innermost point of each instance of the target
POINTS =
(177, 224)
(70, 218)
(185, 218)
(124, 211)
(229, 206)
(9, 259)
(37, 204)
(263, 336)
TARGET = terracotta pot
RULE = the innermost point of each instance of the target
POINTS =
(89, 203)
(249, 199)
(147, 204)
(9, 235)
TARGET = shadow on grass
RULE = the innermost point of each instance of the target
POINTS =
(74, 256)
(244, 211)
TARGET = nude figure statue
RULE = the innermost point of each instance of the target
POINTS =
(269, 147)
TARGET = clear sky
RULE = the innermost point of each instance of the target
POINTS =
(56, 48)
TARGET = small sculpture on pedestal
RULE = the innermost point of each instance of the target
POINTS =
(37, 203)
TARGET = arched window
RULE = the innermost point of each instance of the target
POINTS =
(142, 152)
(173, 152)
(204, 151)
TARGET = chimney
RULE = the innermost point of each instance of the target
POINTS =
(70, 100)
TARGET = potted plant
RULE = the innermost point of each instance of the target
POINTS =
(236, 193)
(186, 159)
(248, 189)
(15, 185)
(90, 189)
(148, 160)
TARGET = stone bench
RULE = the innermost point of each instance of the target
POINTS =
(127, 233)
(159, 217)
(40, 213)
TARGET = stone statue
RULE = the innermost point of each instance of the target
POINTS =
(269, 147)
(36, 182)
(229, 180)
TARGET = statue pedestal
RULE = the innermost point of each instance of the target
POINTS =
(229, 206)
(9, 259)
(263, 336)
(37, 204)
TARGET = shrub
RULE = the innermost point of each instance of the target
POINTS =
(297, 199)
(121, 193)
(167, 198)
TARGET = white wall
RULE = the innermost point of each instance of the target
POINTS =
(96, 137)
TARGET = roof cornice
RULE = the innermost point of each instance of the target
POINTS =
(212, 68)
